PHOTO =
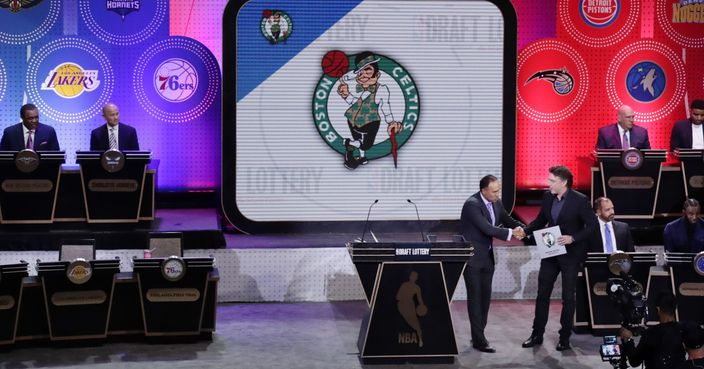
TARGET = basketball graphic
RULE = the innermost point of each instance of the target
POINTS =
(335, 63)
(421, 310)
(175, 80)
(66, 72)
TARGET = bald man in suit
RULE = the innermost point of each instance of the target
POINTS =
(623, 134)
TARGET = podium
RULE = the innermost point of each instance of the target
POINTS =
(692, 165)
(10, 291)
(173, 293)
(409, 287)
(603, 312)
(28, 185)
(687, 276)
(78, 297)
(631, 179)
(113, 184)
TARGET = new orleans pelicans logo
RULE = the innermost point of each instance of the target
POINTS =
(599, 13)
(562, 81)
(70, 80)
(17, 5)
(645, 81)
(122, 7)
(357, 97)
(276, 26)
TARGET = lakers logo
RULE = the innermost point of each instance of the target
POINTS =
(70, 80)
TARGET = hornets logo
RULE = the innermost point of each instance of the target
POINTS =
(562, 81)
(17, 5)
(645, 81)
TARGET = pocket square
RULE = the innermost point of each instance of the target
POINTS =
(43, 143)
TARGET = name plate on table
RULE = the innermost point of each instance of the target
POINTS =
(113, 185)
(412, 253)
(546, 240)
(173, 295)
(27, 185)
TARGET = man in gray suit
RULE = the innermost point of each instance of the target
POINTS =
(482, 220)
(612, 235)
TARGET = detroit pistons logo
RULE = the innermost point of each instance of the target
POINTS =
(17, 5)
(646, 81)
(276, 26)
(599, 13)
(70, 80)
(365, 106)
(175, 80)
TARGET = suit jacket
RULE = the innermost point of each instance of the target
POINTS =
(44, 138)
(610, 139)
(622, 233)
(126, 140)
(676, 240)
(476, 226)
(576, 219)
(681, 136)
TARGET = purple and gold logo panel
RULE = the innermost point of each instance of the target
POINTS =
(176, 80)
(69, 80)
(124, 22)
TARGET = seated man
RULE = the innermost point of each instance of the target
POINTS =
(30, 134)
(686, 234)
(688, 133)
(693, 341)
(113, 135)
(624, 134)
(612, 235)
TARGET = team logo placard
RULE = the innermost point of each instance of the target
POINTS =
(112, 161)
(276, 26)
(79, 271)
(552, 81)
(27, 161)
(549, 239)
(176, 80)
(649, 77)
(69, 69)
(365, 106)
(632, 159)
(598, 23)
(698, 263)
(23, 22)
(173, 268)
(124, 22)
(682, 21)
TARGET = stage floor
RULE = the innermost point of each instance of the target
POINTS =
(318, 335)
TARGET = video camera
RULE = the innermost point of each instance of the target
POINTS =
(626, 293)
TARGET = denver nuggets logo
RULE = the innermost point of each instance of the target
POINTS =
(70, 80)
(17, 5)
(599, 13)
(175, 80)
(562, 81)
(122, 7)
(645, 81)
(360, 95)
(276, 26)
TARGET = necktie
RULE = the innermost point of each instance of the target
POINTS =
(490, 207)
(624, 142)
(112, 139)
(30, 141)
(609, 243)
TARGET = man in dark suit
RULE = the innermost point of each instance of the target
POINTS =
(30, 134)
(688, 133)
(483, 216)
(686, 234)
(113, 135)
(624, 134)
(570, 210)
(612, 235)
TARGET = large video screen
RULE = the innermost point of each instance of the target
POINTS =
(332, 105)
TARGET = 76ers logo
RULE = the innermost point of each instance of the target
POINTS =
(365, 106)
(175, 80)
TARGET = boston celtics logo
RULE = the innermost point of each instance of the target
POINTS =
(276, 26)
(359, 95)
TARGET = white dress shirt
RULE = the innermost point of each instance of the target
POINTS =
(488, 203)
(620, 136)
(116, 130)
(603, 235)
(697, 137)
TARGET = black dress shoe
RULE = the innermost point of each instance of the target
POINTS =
(532, 341)
(484, 348)
(563, 345)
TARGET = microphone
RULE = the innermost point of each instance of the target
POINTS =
(420, 225)
(366, 222)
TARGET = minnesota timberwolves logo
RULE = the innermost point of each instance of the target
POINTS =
(599, 13)
(70, 80)
(561, 80)
(645, 81)
(122, 7)
(175, 80)
(17, 5)
(365, 106)
(276, 26)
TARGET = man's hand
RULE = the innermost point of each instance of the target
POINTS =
(343, 89)
(625, 334)
(565, 239)
(519, 233)
(397, 127)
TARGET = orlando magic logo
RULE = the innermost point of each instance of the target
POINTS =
(562, 81)
(645, 81)
(17, 5)
(122, 7)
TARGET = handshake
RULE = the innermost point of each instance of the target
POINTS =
(519, 233)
